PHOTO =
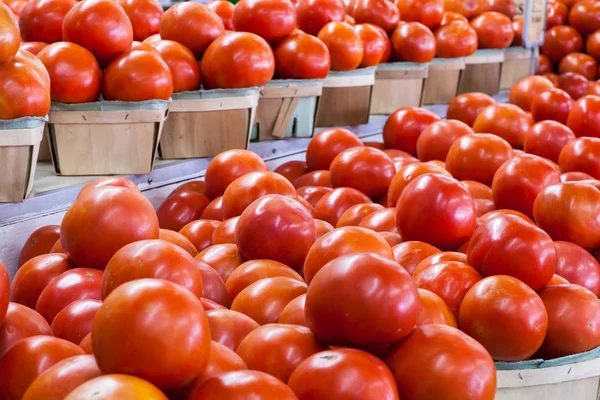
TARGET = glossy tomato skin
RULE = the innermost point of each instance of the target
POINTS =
(576, 85)
(181, 208)
(145, 16)
(494, 30)
(224, 9)
(292, 169)
(556, 14)
(326, 145)
(525, 90)
(214, 210)
(561, 40)
(272, 20)
(467, 106)
(409, 254)
(413, 42)
(434, 310)
(11, 38)
(592, 45)
(575, 176)
(229, 327)
(26, 360)
(451, 16)
(42, 20)
(478, 190)
(579, 63)
(116, 386)
(403, 128)
(451, 209)
(200, 233)
(455, 39)
(86, 25)
(63, 377)
(581, 155)
(505, 120)
(23, 92)
(344, 45)
(585, 16)
(547, 139)
(182, 64)
(573, 320)
(578, 266)
(318, 178)
(426, 12)
(583, 118)
(407, 174)
(554, 104)
(301, 57)
(438, 258)
(255, 270)
(178, 240)
(223, 258)
(381, 13)
(123, 315)
(227, 167)
(293, 313)
(115, 181)
(545, 67)
(20, 323)
(221, 360)
(237, 60)
(333, 204)
(312, 15)
(193, 25)
(225, 232)
(239, 385)
(355, 214)
(33, 47)
(74, 321)
(324, 375)
(496, 243)
(213, 287)
(375, 43)
(381, 221)
(435, 140)
(420, 365)
(506, 316)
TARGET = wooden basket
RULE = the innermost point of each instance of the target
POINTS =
(441, 85)
(19, 146)
(106, 137)
(482, 72)
(208, 122)
(44, 153)
(397, 85)
(287, 108)
(346, 98)
(518, 64)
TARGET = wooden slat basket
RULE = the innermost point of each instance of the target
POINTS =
(346, 98)
(518, 64)
(106, 137)
(441, 85)
(207, 122)
(44, 153)
(19, 147)
(287, 108)
(482, 72)
(397, 85)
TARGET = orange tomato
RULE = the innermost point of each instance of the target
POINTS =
(301, 56)
(42, 20)
(182, 64)
(525, 90)
(224, 9)
(455, 39)
(561, 40)
(585, 16)
(23, 92)
(375, 43)
(468, 8)
(382, 13)
(145, 16)
(426, 12)
(505, 120)
(344, 45)
(579, 63)
(313, 15)
(414, 42)
(272, 20)
(494, 30)
(11, 38)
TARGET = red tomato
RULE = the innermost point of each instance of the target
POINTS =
(227, 167)
(145, 16)
(413, 42)
(20, 323)
(455, 39)
(239, 385)
(581, 155)
(574, 84)
(592, 46)
(545, 66)
(117, 386)
(322, 227)
(11, 38)
(221, 360)
(182, 64)
(557, 280)
(181, 208)
(292, 170)
(42, 20)
(434, 310)
(505, 316)
(29, 358)
(123, 327)
(578, 266)
(407, 174)
(255, 270)
(237, 60)
(467, 106)
(494, 30)
(179, 240)
(312, 194)
(439, 257)
(75, 74)
(573, 320)
(504, 120)
(381, 221)
(225, 231)
(518, 25)
(508, 245)
(553, 104)
(355, 214)
(579, 63)
(593, 88)
(426, 12)
(468, 9)
(101, 26)
(293, 313)
(4, 292)
(318, 178)
(193, 25)
(33, 47)
(313, 15)
(585, 117)
(74, 321)
(152, 39)
(325, 376)
(506, 7)
(451, 16)
(410, 254)
(301, 57)
(224, 9)
(23, 91)
(381, 13)
(524, 91)
(194, 186)
(213, 287)
(561, 40)
(333, 204)
(477, 157)
(214, 210)
(326, 145)
(39, 242)
(344, 45)
(229, 327)
(272, 20)
(223, 258)
(547, 139)
(432, 351)
(403, 128)
(585, 16)
(113, 181)
(436, 199)
(478, 190)
(375, 42)
(200, 233)
(575, 176)
(556, 14)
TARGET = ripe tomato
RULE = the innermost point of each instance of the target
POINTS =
(582, 155)
(508, 245)
(221, 360)
(179, 240)
(478, 190)
(439, 257)
(224, 9)
(193, 25)
(592, 45)
(506, 7)
(181, 208)
(494, 30)
(20, 323)
(101, 26)
(469, 8)
(239, 385)
(182, 64)
(585, 16)
(574, 84)
(292, 169)
(115, 181)
(407, 174)
(506, 316)
(227, 167)
(518, 25)
(552, 77)
(426, 12)
(578, 266)
(74, 321)
(225, 231)
(556, 14)
(318, 178)
(557, 280)
(584, 117)
(326, 145)
(301, 57)
(333, 204)
(313, 15)
(410, 254)
(593, 88)
(573, 320)
(381, 221)
(579, 63)
(344, 45)
(312, 194)
(547, 139)
(200, 233)
(561, 40)
(404, 126)
(467, 106)
(413, 42)
(23, 92)
(553, 104)
(255, 270)
(26, 360)
(455, 39)
(223, 258)
(434, 310)
(436, 199)
(322, 227)
(33, 47)
(145, 16)
(293, 313)
(433, 351)
(325, 376)
(39, 242)
(381, 13)
(477, 157)
(451, 16)
(355, 214)
(505, 120)
(229, 327)
(116, 386)
(11, 38)
(272, 20)
(213, 287)
(123, 327)
(62, 378)
(375, 43)
(75, 74)
(214, 210)
(42, 20)
(575, 176)
(237, 60)
(525, 90)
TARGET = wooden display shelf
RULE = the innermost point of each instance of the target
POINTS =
(398, 85)
(482, 72)
(441, 85)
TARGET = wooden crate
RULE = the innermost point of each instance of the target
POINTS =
(518, 64)
(287, 108)
(106, 138)
(208, 122)
(19, 146)
(482, 72)
(346, 98)
(441, 85)
(397, 85)
(44, 153)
